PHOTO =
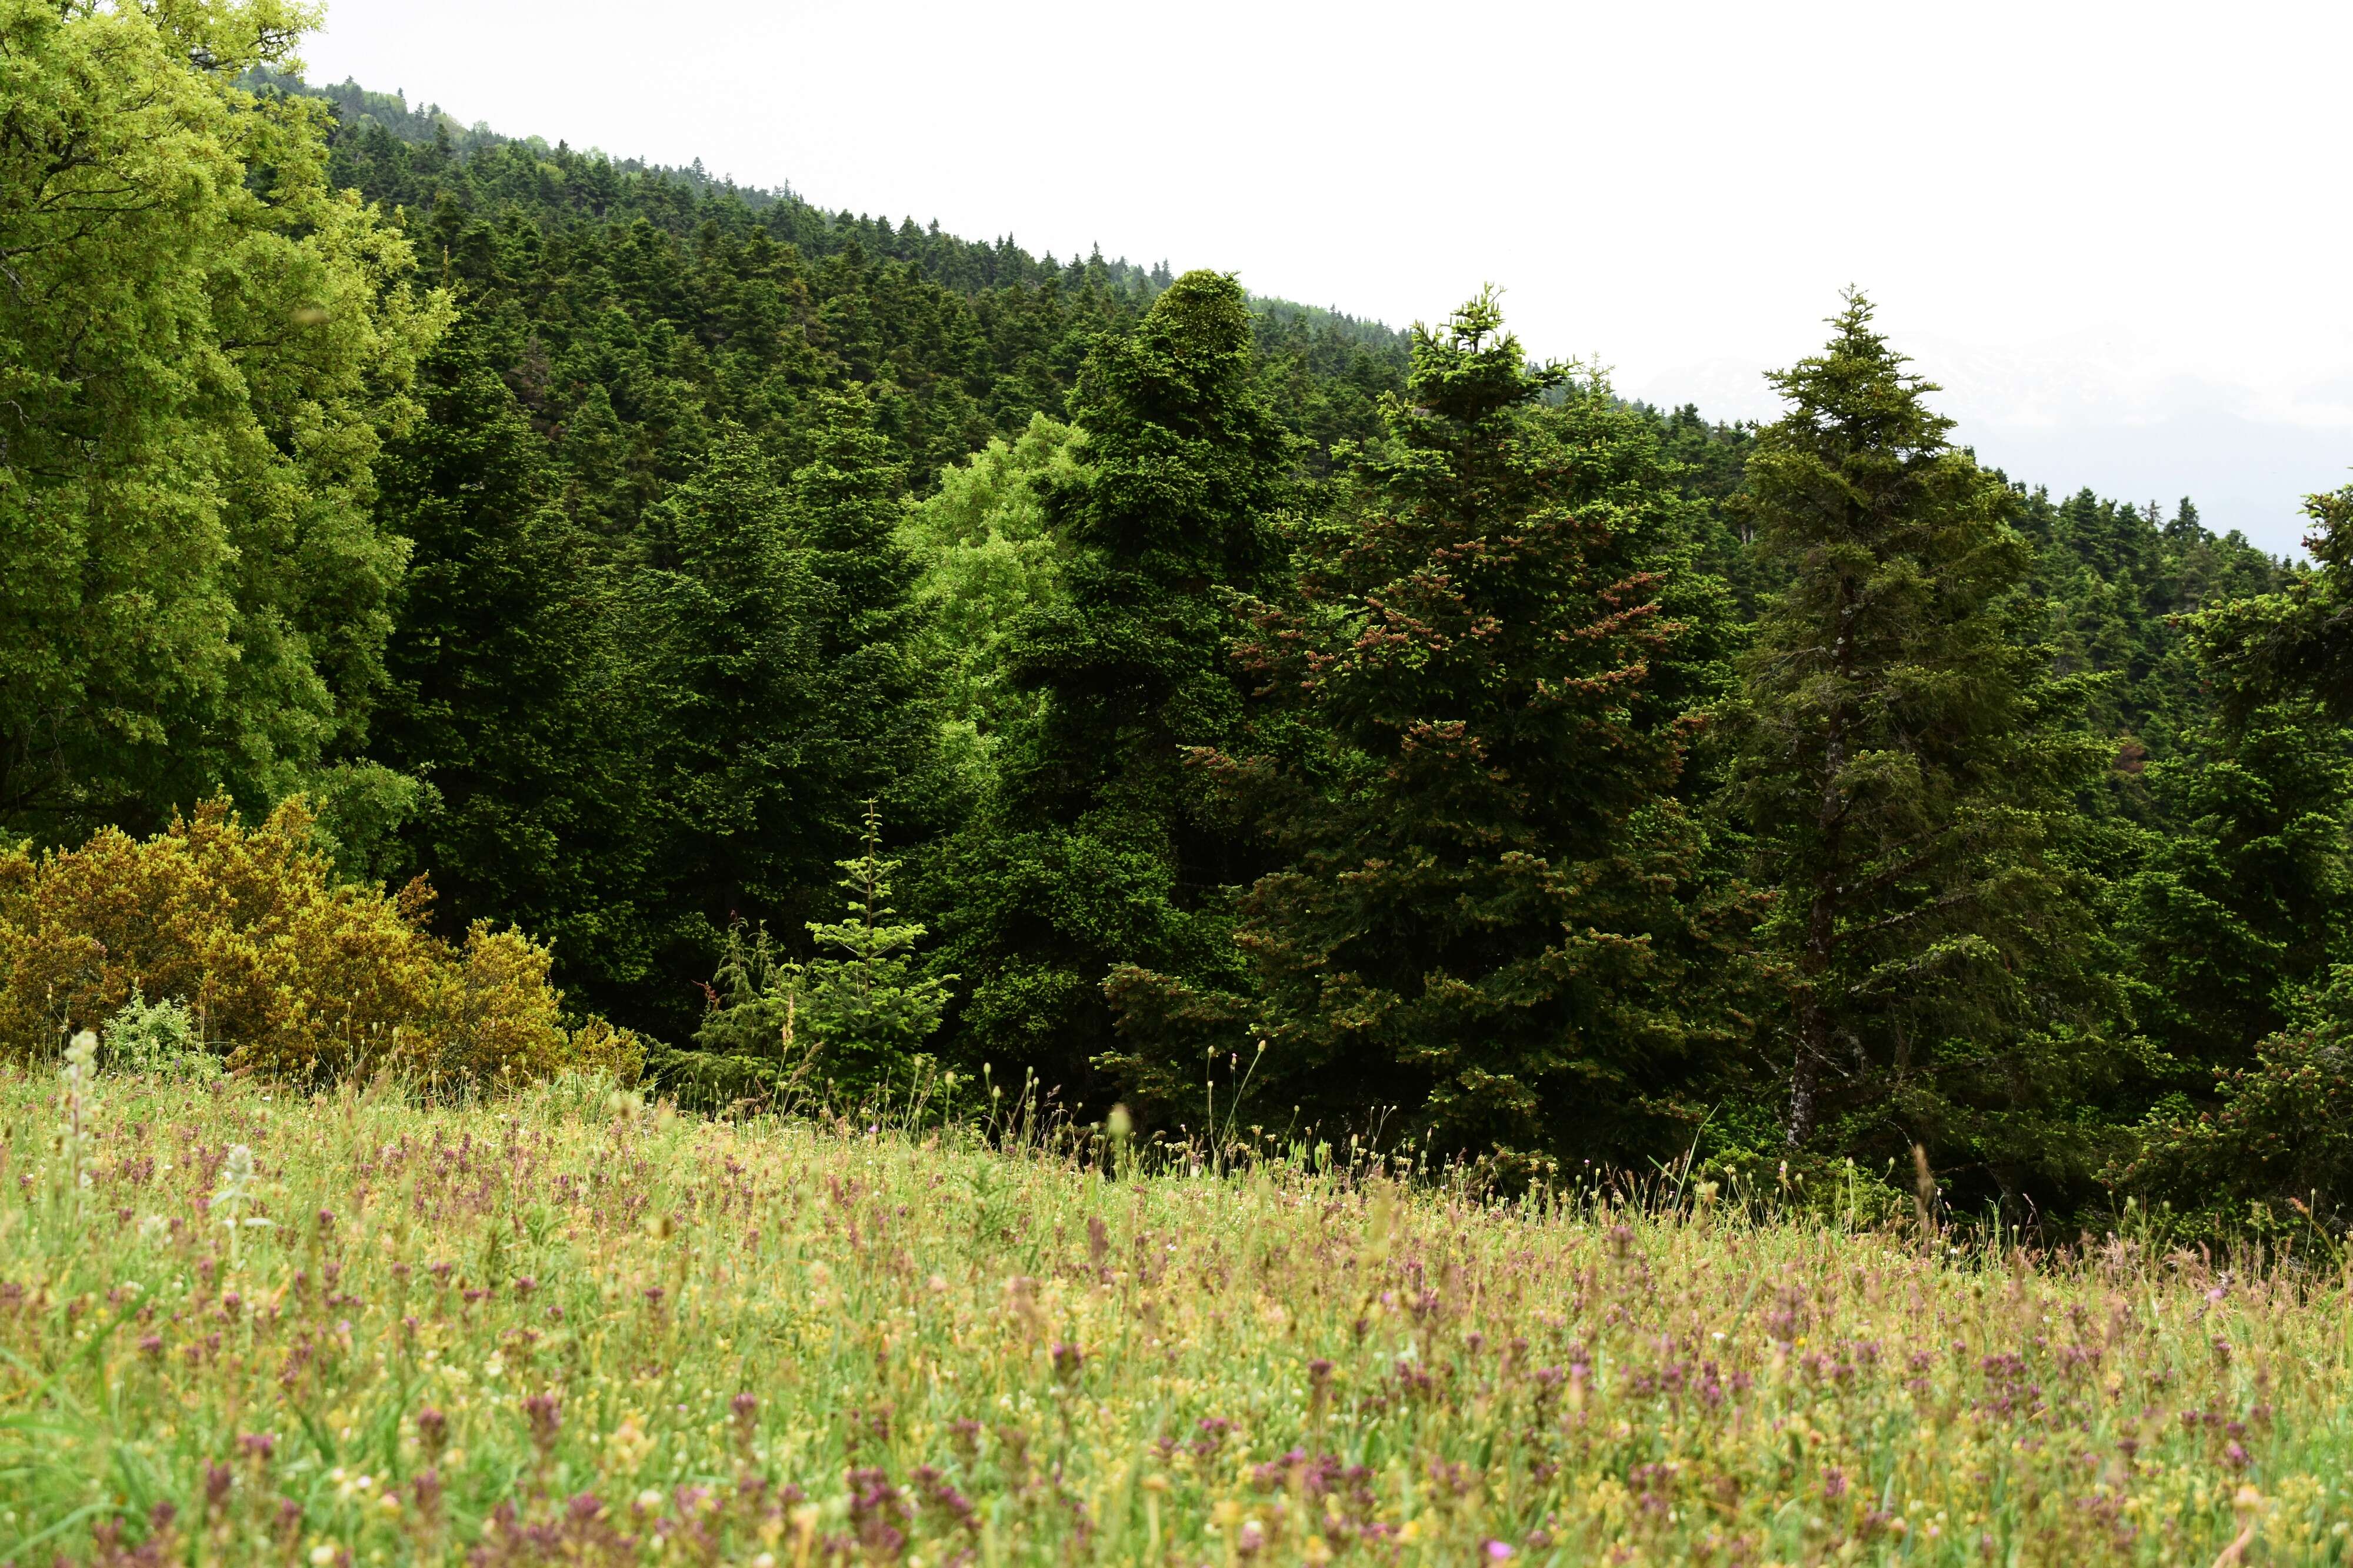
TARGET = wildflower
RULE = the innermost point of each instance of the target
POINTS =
(546, 1417)
(236, 1196)
(79, 1101)
(1498, 1550)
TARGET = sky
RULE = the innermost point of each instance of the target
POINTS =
(2117, 235)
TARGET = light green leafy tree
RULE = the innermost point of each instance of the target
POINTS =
(988, 557)
(203, 344)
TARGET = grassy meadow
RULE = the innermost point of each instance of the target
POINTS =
(567, 1327)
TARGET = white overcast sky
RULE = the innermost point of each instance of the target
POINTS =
(2116, 232)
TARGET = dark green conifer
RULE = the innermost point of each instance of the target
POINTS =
(1906, 774)
(1094, 849)
(511, 691)
(2299, 641)
(2245, 892)
(1474, 719)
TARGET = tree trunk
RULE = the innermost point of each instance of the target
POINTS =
(1815, 1025)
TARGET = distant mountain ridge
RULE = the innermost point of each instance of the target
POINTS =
(428, 124)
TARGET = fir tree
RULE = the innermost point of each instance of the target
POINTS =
(2298, 642)
(510, 690)
(2245, 890)
(727, 610)
(867, 1004)
(1475, 715)
(848, 1021)
(1093, 849)
(1905, 774)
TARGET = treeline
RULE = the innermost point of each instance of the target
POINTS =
(841, 643)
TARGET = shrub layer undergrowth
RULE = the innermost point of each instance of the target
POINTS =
(564, 1327)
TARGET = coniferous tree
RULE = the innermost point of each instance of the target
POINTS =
(867, 1006)
(1094, 849)
(510, 690)
(874, 733)
(726, 608)
(1904, 770)
(2244, 893)
(850, 1020)
(2297, 642)
(776, 636)
(1475, 715)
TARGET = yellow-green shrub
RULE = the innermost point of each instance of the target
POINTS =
(288, 973)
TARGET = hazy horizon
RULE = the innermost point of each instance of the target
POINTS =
(2093, 225)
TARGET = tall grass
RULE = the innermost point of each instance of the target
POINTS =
(565, 1327)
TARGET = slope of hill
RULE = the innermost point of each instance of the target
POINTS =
(567, 1329)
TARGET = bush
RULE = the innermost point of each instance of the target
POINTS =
(278, 966)
(156, 1038)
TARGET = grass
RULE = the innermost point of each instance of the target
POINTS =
(562, 1327)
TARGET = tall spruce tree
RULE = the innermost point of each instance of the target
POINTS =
(1093, 849)
(510, 690)
(1904, 770)
(727, 606)
(1474, 717)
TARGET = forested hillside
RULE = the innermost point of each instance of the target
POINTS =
(841, 643)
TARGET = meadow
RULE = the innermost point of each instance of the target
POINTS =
(244, 1325)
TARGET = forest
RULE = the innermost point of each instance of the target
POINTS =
(774, 647)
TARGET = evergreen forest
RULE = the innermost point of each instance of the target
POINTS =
(844, 651)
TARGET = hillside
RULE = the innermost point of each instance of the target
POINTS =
(571, 1328)
(829, 651)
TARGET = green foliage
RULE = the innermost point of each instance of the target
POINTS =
(205, 341)
(746, 1048)
(2282, 1130)
(988, 560)
(1907, 770)
(1475, 710)
(516, 685)
(625, 578)
(2244, 892)
(156, 1038)
(2297, 642)
(847, 1025)
(868, 1008)
(1093, 846)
